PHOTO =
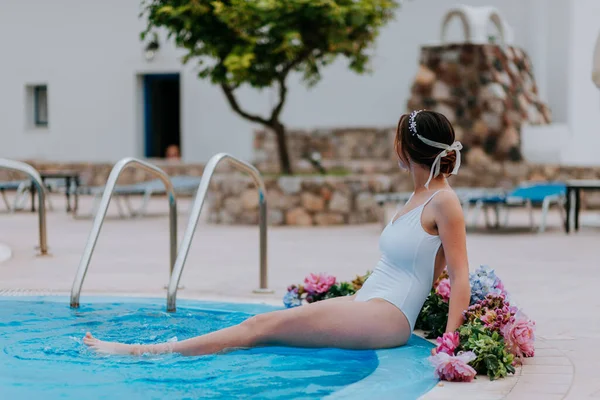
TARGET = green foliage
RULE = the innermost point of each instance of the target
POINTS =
(338, 289)
(341, 289)
(433, 316)
(492, 357)
(258, 42)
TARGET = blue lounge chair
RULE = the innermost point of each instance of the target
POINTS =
(527, 195)
(466, 195)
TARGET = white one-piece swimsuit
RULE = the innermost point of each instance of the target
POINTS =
(404, 274)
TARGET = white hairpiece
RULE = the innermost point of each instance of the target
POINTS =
(412, 123)
(435, 167)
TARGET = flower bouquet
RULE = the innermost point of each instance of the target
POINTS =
(494, 336)
(318, 287)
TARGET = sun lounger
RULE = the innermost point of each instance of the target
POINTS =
(528, 195)
(465, 195)
(21, 189)
(10, 186)
(122, 193)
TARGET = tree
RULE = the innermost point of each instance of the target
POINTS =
(260, 42)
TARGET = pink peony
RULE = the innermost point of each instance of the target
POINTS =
(519, 335)
(318, 283)
(443, 289)
(448, 343)
(454, 368)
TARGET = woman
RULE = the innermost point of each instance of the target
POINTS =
(428, 234)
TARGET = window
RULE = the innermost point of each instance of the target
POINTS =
(40, 105)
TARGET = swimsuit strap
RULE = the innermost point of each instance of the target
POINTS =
(422, 206)
(433, 195)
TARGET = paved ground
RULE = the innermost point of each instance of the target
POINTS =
(552, 275)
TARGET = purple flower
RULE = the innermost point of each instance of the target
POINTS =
(493, 311)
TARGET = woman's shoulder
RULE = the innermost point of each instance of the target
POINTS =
(447, 203)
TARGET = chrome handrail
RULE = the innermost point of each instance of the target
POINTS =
(101, 214)
(41, 189)
(184, 249)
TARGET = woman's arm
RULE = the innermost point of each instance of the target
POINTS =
(451, 227)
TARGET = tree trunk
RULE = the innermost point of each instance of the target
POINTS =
(284, 157)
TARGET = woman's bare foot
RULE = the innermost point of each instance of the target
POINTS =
(109, 347)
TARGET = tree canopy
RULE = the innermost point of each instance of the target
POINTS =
(260, 42)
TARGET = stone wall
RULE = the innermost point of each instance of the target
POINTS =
(354, 149)
(486, 91)
(335, 200)
(96, 174)
(314, 200)
(302, 201)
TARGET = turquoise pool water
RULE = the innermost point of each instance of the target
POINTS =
(42, 356)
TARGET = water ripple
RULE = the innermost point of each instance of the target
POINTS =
(42, 355)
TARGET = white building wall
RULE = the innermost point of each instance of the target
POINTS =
(572, 28)
(549, 43)
(346, 99)
(90, 56)
(583, 95)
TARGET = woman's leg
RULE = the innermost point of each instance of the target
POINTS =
(331, 323)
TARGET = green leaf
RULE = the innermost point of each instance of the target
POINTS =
(165, 10)
(291, 35)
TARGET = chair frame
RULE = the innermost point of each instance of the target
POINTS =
(514, 201)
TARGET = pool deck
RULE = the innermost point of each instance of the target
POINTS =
(550, 275)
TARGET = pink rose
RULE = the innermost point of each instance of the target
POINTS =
(318, 283)
(454, 368)
(443, 289)
(448, 343)
(519, 335)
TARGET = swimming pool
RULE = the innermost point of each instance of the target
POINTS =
(42, 355)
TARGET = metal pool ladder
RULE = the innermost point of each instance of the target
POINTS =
(101, 214)
(209, 171)
(41, 190)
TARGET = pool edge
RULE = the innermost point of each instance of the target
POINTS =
(367, 386)
(534, 371)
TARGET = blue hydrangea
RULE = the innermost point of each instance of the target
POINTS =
(483, 282)
(291, 299)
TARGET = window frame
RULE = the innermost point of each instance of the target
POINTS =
(38, 122)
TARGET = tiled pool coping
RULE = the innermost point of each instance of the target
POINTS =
(548, 375)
